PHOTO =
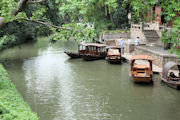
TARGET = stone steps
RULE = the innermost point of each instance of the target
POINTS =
(151, 36)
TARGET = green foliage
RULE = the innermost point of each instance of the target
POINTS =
(120, 17)
(81, 9)
(23, 31)
(74, 8)
(6, 8)
(12, 106)
(52, 12)
(7, 41)
(81, 32)
(66, 13)
(16, 33)
(109, 13)
(38, 14)
(140, 7)
(173, 37)
(170, 9)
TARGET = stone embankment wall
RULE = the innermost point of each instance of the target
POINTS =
(111, 35)
(129, 48)
(159, 59)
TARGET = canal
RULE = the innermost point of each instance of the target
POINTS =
(59, 88)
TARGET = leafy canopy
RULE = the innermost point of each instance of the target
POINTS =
(72, 11)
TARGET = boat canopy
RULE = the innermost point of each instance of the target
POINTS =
(113, 52)
(142, 57)
(94, 44)
(167, 67)
(140, 66)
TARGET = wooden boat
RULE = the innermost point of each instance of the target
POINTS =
(170, 78)
(81, 50)
(141, 72)
(93, 51)
(113, 54)
(73, 55)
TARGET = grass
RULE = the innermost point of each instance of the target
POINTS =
(12, 105)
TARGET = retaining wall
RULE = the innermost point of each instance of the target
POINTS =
(159, 59)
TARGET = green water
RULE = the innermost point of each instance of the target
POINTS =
(59, 88)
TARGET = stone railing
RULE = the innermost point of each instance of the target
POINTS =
(137, 26)
(168, 29)
(161, 27)
(149, 26)
(137, 31)
(153, 26)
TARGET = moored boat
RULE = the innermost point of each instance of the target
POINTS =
(170, 78)
(93, 51)
(113, 54)
(81, 50)
(73, 55)
(141, 72)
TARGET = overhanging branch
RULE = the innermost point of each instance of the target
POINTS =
(20, 7)
(45, 23)
(36, 1)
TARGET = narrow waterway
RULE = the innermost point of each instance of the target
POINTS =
(59, 88)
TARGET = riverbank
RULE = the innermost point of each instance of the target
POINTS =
(12, 105)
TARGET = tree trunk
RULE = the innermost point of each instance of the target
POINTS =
(111, 17)
(2, 23)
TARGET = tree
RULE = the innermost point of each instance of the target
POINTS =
(171, 11)
(11, 10)
(99, 14)
(16, 33)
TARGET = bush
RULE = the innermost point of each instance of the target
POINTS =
(12, 106)
(120, 18)
(7, 41)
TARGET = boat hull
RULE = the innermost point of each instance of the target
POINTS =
(114, 60)
(73, 55)
(172, 84)
(88, 57)
(145, 79)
